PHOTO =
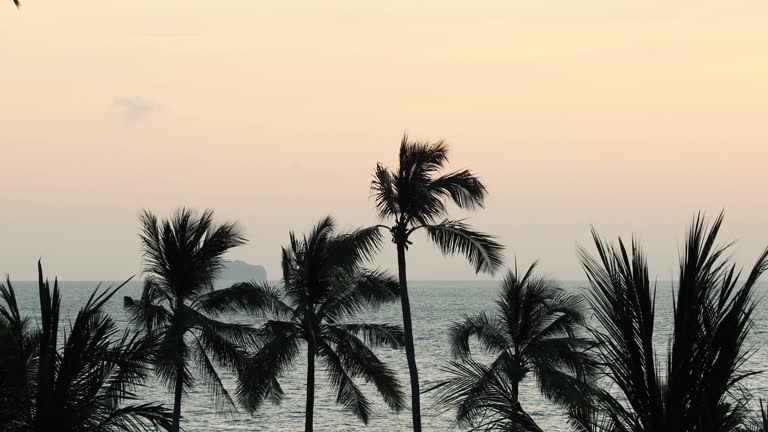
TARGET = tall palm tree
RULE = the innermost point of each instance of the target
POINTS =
(697, 389)
(415, 197)
(536, 330)
(324, 288)
(80, 384)
(182, 257)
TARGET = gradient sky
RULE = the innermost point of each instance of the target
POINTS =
(626, 115)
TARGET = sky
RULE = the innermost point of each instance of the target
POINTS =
(626, 116)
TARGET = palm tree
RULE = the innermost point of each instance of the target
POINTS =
(324, 288)
(535, 330)
(182, 257)
(415, 198)
(80, 384)
(697, 389)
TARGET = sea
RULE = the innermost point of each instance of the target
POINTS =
(435, 306)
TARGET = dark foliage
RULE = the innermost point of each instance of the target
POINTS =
(85, 382)
(759, 423)
(182, 257)
(324, 287)
(536, 331)
(698, 389)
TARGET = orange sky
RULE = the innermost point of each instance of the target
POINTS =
(626, 115)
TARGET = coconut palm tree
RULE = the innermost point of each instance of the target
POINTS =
(697, 388)
(182, 257)
(534, 332)
(80, 384)
(324, 287)
(414, 197)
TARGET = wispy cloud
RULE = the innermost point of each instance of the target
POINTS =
(133, 110)
(170, 34)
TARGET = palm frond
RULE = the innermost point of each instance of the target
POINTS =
(456, 237)
(488, 331)
(361, 244)
(565, 375)
(10, 311)
(590, 419)
(258, 298)
(49, 319)
(760, 421)
(150, 311)
(129, 362)
(359, 361)
(258, 376)
(225, 341)
(375, 335)
(623, 302)
(368, 289)
(348, 394)
(462, 187)
(716, 315)
(142, 417)
(480, 398)
(19, 346)
(384, 193)
(420, 158)
(219, 394)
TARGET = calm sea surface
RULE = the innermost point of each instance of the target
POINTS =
(435, 306)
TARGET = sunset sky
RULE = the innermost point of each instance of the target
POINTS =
(626, 115)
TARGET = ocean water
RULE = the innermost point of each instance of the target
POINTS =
(435, 305)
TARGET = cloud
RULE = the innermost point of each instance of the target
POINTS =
(134, 110)
(169, 34)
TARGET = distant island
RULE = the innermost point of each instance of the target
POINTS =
(242, 271)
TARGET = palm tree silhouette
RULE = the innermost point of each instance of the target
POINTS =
(698, 388)
(182, 257)
(324, 287)
(415, 198)
(534, 331)
(79, 384)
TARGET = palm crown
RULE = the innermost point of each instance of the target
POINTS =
(324, 287)
(698, 388)
(535, 330)
(85, 383)
(182, 257)
(416, 197)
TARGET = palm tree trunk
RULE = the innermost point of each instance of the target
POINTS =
(530, 423)
(177, 399)
(410, 352)
(310, 409)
